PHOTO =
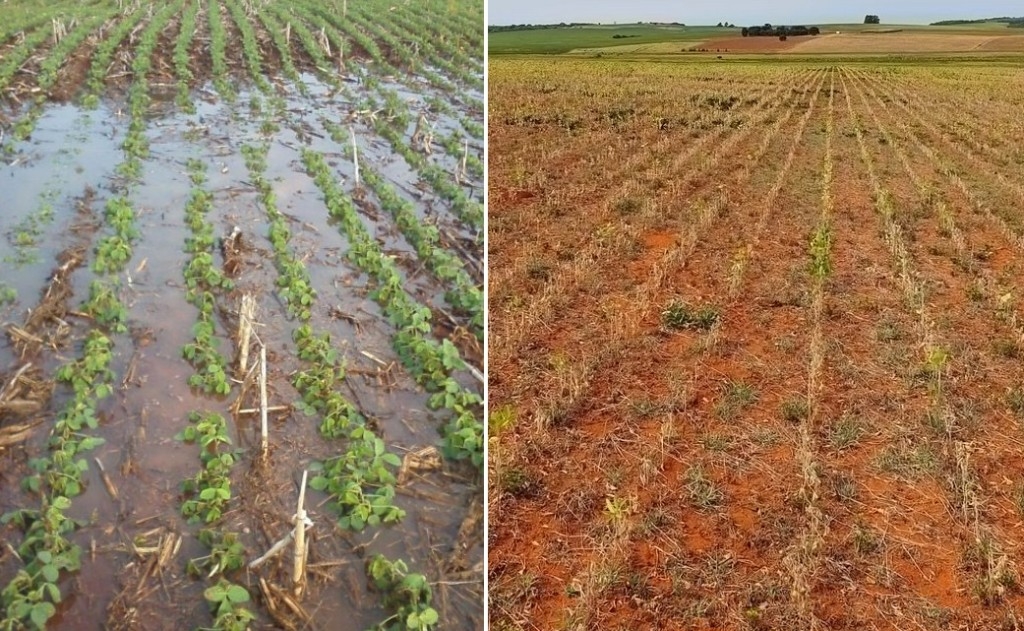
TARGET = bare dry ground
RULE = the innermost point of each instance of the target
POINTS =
(861, 42)
(908, 42)
(755, 346)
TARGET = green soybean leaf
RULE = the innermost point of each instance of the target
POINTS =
(237, 594)
(41, 612)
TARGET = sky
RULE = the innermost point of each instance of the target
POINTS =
(745, 12)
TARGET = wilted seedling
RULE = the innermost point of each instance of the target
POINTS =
(738, 395)
(864, 541)
(845, 487)
(887, 331)
(628, 205)
(702, 491)
(1006, 348)
(678, 315)
(846, 433)
(516, 482)
(715, 442)
(1018, 498)
(1015, 399)
(501, 419)
(538, 270)
(997, 574)
(794, 410)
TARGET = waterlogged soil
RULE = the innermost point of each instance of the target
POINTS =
(68, 164)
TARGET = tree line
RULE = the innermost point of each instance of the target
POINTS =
(1011, 22)
(767, 30)
(531, 27)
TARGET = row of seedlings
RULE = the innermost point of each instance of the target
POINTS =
(19, 19)
(182, 56)
(447, 56)
(31, 597)
(218, 51)
(103, 56)
(209, 491)
(333, 23)
(430, 362)
(464, 293)
(361, 481)
(250, 48)
(49, 68)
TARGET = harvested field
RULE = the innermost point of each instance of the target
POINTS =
(880, 42)
(242, 246)
(755, 353)
(909, 42)
(756, 44)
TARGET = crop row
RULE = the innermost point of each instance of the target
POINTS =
(964, 489)
(360, 481)
(209, 491)
(14, 58)
(431, 363)
(136, 145)
(26, 17)
(30, 598)
(104, 54)
(218, 51)
(49, 68)
(446, 267)
(440, 33)
(182, 56)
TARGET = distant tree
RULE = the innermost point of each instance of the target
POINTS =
(719, 25)
(814, 30)
(745, 32)
(872, 19)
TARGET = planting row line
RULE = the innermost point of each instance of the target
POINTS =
(208, 493)
(431, 363)
(465, 295)
(935, 363)
(31, 597)
(50, 66)
(360, 481)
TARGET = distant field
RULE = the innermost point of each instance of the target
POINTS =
(562, 40)
(641, 40)
(909, 42)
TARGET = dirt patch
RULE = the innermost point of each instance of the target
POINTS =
(752, 44)
(901, 42)
(1004, 44)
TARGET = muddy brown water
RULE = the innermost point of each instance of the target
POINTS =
(73, 149)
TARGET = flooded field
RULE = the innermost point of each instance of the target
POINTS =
(191, 186)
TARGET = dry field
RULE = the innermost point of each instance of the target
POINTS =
(756, 346)
(908, 42)
(241, 245)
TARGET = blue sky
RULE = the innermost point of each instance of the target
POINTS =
(744, 12)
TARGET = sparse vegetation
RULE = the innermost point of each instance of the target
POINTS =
(825, 253)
